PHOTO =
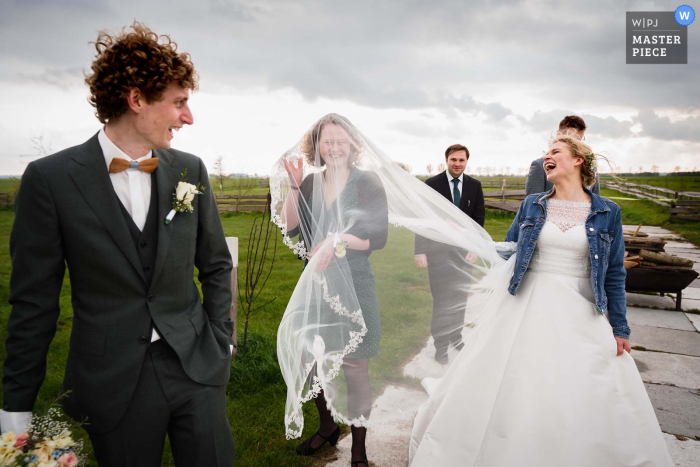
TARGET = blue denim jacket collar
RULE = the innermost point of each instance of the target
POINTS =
(606, 245)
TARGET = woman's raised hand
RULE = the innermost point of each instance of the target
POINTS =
(295, 169)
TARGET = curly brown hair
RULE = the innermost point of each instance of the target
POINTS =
(139, 59)
(309, 143)
(580, 149)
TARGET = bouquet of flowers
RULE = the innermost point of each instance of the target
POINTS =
(46, 443)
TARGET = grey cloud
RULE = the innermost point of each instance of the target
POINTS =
(662, 128)
(600, 127)
(446, 54)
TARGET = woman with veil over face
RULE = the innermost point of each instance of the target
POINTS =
(341, 213)
(353, 213)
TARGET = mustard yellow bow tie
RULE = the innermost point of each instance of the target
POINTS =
(119, 165)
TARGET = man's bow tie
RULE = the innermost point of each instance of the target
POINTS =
(119, 165)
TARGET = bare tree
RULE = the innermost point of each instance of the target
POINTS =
(641, 169)
(655, 168)
(41, 145)
(441, 167)
(219, 173)
(522, 170)
(405, 166)
(261, 234)
(429, 168)
(677, 168)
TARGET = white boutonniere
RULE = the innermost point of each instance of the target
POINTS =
(183, 196)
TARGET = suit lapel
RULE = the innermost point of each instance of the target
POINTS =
(444, 185)
(463, 201)
(89, 173)
(167, 177)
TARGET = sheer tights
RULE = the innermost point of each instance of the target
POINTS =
(359, 403)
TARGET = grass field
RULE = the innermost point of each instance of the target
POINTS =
(256, 391)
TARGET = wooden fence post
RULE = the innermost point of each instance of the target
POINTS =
(232, 243)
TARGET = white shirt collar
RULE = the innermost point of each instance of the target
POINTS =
(449, 177)
(110, 150)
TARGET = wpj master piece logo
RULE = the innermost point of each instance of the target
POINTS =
(659, 37)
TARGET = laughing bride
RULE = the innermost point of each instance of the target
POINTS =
(548, 379)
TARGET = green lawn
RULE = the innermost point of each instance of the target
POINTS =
(256, 391)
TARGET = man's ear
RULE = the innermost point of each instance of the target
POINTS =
(135, 100)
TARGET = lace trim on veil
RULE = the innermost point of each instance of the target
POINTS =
(334, 302)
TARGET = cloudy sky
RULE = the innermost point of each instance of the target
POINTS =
(414, 76)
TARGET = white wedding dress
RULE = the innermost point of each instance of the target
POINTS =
(540, 384)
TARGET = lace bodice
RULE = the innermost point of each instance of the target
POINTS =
(562, 247)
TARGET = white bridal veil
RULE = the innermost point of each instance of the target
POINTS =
(359, 219)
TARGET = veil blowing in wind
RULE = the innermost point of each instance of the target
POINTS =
(361, 308)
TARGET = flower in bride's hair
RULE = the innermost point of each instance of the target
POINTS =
(592, 162)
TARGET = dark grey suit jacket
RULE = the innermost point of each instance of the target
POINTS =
(67, 214)
(471, 203)
(537, 179)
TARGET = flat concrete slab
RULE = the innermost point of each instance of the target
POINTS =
(648, 229)
(666, 368)
(387, 443)
(690, 304)
(695, 283)
(691, 292)
(683, 245)
(666, 340)
(695, 319)
(649, 301)
(424, 365)
(683, 453)
(678, 409)
(659, 318)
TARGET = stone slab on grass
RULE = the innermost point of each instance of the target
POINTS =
(387, 442)
(666, 340)
(695, 319)
(649, 301)
(691, 293)
(690, 304)
(683, 453)
(665, 368)
(659, 318)
(678, 409)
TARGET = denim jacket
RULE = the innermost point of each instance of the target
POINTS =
(605, 244)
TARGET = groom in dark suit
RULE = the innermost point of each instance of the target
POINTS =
(448, 267)
(147, 357)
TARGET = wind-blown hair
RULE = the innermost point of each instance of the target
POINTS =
(137, 59)
(580, 149)
(309, 144)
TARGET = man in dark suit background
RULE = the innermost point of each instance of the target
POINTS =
(448, 267)
(147, 357)
(536, 181)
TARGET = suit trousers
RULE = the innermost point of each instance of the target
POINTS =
(166, 400)
(449, 275)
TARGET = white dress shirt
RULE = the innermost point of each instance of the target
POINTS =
(133, 187)
(452, 185)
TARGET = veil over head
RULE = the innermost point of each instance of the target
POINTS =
(359, 219)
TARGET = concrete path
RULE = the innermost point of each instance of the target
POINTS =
(667, 356)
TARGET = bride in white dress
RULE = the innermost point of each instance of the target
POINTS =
(548, 380)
